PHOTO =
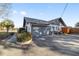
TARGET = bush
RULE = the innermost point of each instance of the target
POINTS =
(12, 33)
(20, 30)
(24, 36)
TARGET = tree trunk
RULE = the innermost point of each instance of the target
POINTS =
(7, 29)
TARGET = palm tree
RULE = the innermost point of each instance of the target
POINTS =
(7, 24)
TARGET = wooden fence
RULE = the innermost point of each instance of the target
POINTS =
(74, 31)
(68, 30)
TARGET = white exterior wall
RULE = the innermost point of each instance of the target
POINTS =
(60, 26)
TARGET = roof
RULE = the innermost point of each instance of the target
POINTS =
(42, 22)
(34, 21)
(57, 21)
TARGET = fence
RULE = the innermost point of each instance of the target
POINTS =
(74, 31)
(69, 30)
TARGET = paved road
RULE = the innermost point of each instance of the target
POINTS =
(66, 44)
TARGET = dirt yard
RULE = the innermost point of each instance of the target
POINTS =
(57, 45)
(33, 51)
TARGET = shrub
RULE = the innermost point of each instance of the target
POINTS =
(12, 33)
(24, 36)
(21, 30)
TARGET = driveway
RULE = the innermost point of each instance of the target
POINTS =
(52, 45)
(65, 44)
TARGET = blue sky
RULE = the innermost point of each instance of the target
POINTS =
(45, 11)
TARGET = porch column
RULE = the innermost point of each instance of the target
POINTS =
(28, 27)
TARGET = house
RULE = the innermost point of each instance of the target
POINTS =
(42, 27)
(57, 24)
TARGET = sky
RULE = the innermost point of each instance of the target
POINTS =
(45, 11)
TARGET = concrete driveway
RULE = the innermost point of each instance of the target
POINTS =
(52, 45)
(65, 44)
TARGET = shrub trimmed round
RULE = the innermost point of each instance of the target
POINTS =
(24, 36)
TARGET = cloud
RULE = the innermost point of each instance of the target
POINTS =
(41, 13)
(23, 13)
(14, 12)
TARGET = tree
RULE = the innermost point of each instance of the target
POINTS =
(8, 24)
(1, 25)
(77, 24)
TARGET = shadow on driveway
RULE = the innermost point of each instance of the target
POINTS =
(49, 41)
